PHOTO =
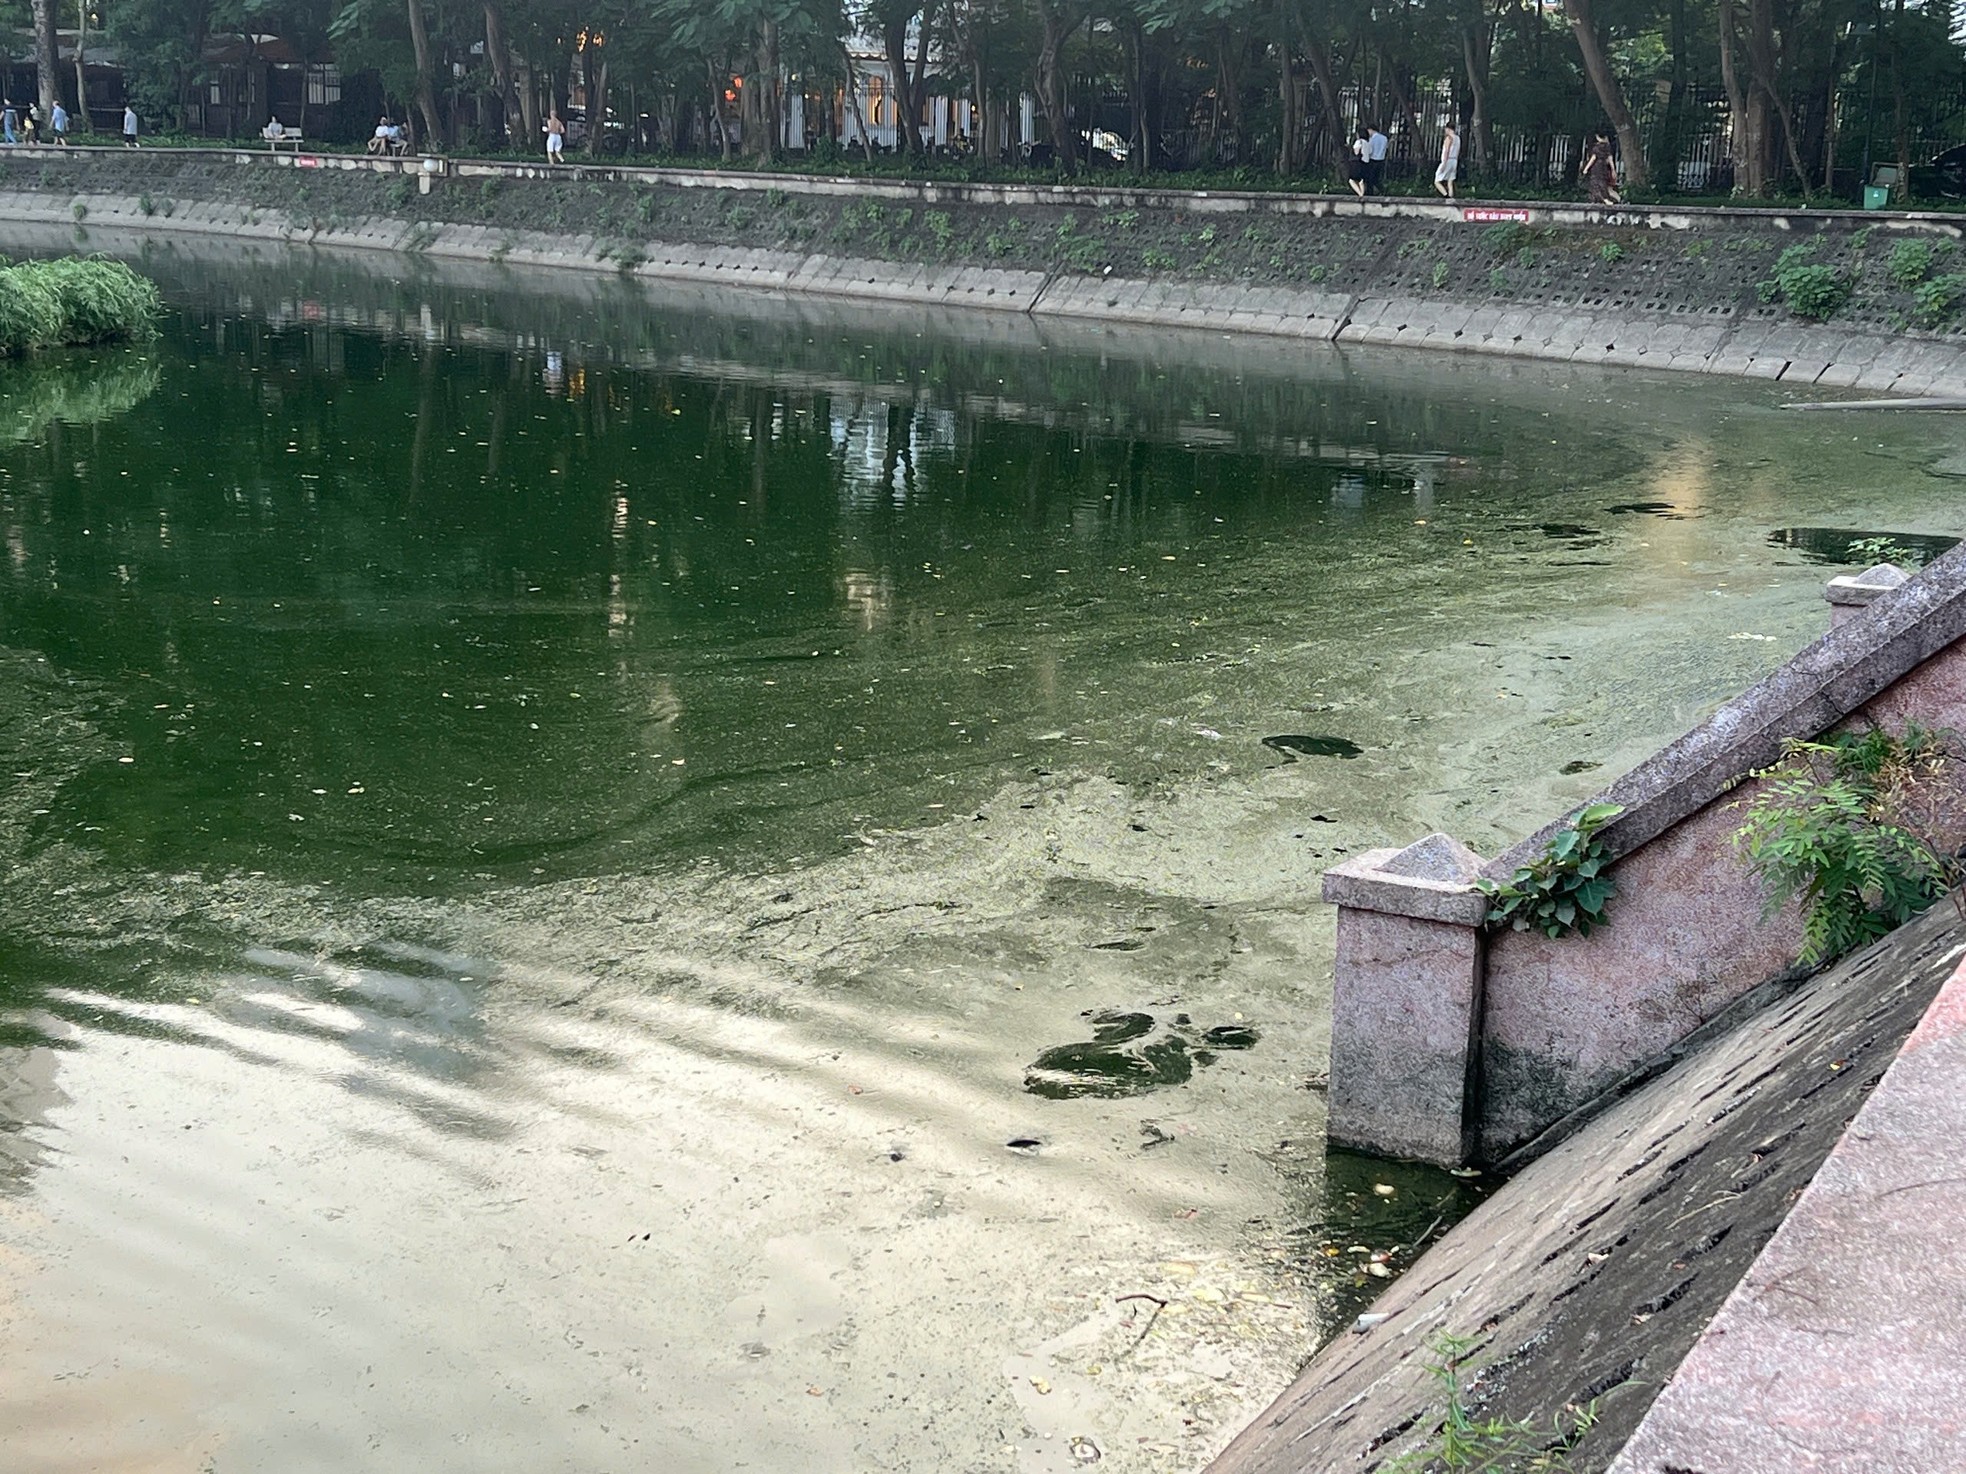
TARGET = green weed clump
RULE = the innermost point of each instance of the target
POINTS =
(65, 303)
(1853, 826)
(1911, 263)
(1812, 291)
(1936, 302)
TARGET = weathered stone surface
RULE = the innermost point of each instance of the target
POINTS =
(1591, 1273)
(1849, 592)
(1403, 1016)
(1843, 1348)
(1432, 877)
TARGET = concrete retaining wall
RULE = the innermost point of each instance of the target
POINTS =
(1395, 272)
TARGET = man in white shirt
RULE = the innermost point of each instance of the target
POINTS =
(1375, 164)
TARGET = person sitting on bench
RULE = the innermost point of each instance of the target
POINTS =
(386, 133)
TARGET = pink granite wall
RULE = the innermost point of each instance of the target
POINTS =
(1565, 1020)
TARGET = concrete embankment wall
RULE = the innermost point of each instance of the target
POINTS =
(1679, 289)
(1590, 1276)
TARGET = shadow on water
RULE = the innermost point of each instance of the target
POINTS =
(1373, 1219)
(1856, 547)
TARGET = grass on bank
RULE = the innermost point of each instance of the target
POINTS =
(74, 301)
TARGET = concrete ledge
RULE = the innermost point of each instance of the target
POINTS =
(1842, 1349)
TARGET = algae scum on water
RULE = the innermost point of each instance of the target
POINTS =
(682, 881)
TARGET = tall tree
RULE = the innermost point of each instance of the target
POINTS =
(1610, 95)
(45, 53)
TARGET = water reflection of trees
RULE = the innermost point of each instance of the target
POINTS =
(70, 389)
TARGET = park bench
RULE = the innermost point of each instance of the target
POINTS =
(285, 138)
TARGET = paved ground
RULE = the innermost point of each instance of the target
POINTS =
(1844, 1347)
(1590, 1277)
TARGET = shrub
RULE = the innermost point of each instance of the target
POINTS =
(1811, 291)
(1911, 263)
(1850, 825)
(46, 304)
(1936, 301)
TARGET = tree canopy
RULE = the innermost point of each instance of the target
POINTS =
(1752, 96)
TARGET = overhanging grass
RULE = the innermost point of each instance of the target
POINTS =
(73, 301)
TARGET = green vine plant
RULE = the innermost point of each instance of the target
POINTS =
(1464, 1442)
(1565, 888)
(1869, 550)
(1851, 825)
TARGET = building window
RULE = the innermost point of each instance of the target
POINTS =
(323, 86)
(218, 93)
(876, 94)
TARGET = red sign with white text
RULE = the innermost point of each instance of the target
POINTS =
(1483, 215)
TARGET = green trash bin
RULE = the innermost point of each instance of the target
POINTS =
(1877, 196)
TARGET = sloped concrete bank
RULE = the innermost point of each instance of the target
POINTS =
(1590, 1277)
(1676, 289)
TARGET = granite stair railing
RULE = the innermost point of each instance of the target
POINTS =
(1452, 1042)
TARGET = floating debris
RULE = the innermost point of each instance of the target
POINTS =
(1291, 744)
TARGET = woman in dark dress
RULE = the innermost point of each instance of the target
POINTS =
(1600, 172)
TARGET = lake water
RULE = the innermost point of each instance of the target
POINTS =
(608, 879)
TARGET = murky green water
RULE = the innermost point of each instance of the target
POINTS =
(609, 880)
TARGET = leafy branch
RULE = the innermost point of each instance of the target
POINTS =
(1564, 889)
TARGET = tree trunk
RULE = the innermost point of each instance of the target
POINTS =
(918, 88)
(82, 124)
(1050, 86)
(1672, 142)
(45, 57)
(597, 106)
(894, 44)
(1475, 57)
(1327, 85)
(853, 101)
(1748, 129)
(771, 86)
(1764, 65)
(1287, 160)
(499, 53)
(426, 96)
(1903, 187)
(1610, 96)
(717, 111)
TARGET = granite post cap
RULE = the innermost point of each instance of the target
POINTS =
(1861, 588)
(1432, 879)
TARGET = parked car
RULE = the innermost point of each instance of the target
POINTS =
(1943, 178)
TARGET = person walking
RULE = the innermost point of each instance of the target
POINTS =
(556, 136)
(1359, 167)
(1375, 164)
(58, 124)
(1450, 160)
(9, 121)
(1599, 171)
(129, 126)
